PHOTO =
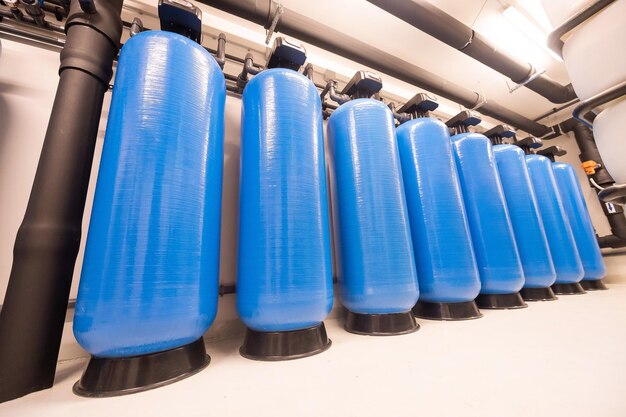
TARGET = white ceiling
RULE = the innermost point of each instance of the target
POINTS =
(361, 20)
(368, 23)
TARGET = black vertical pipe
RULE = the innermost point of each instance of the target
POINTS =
(589, 152)
(47, 243)
(588, 149)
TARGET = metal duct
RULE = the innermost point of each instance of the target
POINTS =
(440, 25)
(301, 27)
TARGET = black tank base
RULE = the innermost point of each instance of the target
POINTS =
(501, 301)
(110, 377)
(466, 310)
(391, 324)
(281, 346)
(568, 289)
(538, 294)
(593, 285)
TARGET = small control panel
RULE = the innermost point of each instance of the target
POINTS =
(180, 16)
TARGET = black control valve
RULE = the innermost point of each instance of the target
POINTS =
(529, 143)
(364, 84)
(286, 54)
(462, 121)
(498, 133)
(552, 151)
(420, 105)
(182, 17)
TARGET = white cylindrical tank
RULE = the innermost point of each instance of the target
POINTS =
(608, 130)
(558, 11)
(594, 53)
(595, 58)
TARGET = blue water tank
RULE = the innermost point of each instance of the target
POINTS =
(492, 233)
(530, 234)
(150, 274)
(284, 277)
(376, 267)
(444, 257)
(563, 249)
(579, 220)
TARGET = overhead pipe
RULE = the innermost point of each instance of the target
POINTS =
(440, 25)
(290, 23)
(584, 111)
(556, 110)
(15, 32)
(47, 242)
(14, 14)
(134, 27)
(554, 41)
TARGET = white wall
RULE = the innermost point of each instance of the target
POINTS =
(28, 80)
